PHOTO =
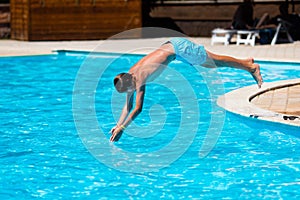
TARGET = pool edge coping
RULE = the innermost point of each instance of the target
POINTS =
(238, 102)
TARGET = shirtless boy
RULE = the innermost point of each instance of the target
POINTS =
(154, 63)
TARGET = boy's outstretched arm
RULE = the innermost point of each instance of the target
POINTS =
(125, 111)
(118, 130)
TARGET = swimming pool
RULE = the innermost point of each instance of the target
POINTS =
(43, 153)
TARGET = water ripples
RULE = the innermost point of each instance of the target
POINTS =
(42, 155)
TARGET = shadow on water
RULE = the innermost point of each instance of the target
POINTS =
(272, 126)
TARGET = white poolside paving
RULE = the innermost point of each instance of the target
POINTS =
(282, 52)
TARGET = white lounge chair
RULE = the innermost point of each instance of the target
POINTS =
(282, 27)
(247, 37)
(222, 36)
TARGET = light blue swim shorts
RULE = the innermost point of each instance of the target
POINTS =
(188, 52)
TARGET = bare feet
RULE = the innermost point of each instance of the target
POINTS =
(256, 74)
(254, 70)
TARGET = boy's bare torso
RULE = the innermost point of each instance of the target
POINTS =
(151, 66)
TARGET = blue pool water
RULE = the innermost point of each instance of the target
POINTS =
(45, 154)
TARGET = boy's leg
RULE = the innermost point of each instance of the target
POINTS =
(215, 60)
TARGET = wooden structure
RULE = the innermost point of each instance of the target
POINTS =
(72, 19)
(4, 21)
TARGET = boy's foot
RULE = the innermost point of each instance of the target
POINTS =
(255, 72)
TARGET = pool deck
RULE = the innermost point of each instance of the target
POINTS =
(276, 101)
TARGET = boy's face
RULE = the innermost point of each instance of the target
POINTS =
(131, 88)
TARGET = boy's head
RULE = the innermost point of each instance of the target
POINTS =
(123, 82)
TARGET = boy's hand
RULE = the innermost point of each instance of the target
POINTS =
(113, 129)
(116, 133)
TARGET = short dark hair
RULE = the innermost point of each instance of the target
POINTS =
(122, 82)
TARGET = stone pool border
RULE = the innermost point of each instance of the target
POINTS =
(238, 102)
